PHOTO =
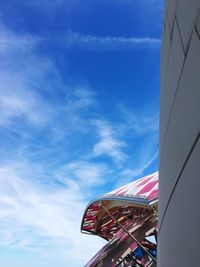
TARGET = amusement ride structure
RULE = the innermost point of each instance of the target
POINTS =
(127, 218)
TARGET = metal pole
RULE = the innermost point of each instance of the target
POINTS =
(125, 230)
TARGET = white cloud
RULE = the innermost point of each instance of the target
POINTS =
(42, 218)
(23, 86)
(108, 145)
(109, 43)
(38, 213)
(11, 42)
(21, 104)
(22, 79)
(79, 98)
(87, 174)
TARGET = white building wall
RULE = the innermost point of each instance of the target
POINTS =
(179, 188)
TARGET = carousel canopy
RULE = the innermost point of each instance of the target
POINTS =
(127, 203)
(143, 190)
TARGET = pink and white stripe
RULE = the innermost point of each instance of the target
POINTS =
(146, 187)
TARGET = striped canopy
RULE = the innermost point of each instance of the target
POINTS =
(145, 189)
(127, 203)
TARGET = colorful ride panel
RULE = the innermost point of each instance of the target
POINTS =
(125, 217)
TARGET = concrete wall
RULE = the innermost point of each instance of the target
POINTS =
(179, 189)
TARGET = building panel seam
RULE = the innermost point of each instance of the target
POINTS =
(178, 178)
(170, 114)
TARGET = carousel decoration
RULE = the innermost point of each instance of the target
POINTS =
(127, 219)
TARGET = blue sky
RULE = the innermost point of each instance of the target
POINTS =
(79, 108)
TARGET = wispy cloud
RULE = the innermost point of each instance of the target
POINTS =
(109, 43)
(87, 174)
(108, 145)
(21, 104)
(42, 218)
(79, 98)
(12, 42)
(42, 198)
(22, 81)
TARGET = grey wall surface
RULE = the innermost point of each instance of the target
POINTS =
(179, 171)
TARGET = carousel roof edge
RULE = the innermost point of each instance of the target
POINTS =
(136, 200)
